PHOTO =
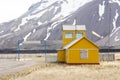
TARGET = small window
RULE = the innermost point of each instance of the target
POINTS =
(68, 35)
(84, 54)
(79, 35)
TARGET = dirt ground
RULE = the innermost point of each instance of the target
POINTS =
(56, 71)
(8, 66)
(9, 63)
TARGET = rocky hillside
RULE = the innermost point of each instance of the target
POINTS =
(44, 20)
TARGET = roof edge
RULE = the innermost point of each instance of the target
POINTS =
(76, 40)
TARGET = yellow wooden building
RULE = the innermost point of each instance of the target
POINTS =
(76, 47)
(72, 32)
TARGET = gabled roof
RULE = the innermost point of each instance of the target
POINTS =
(76, 40)
(74, 27)
(71, 43)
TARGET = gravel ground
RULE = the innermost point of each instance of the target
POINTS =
(10, 64)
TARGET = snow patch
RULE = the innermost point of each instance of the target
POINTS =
(1, 31)
(26, 19)
(53, 25)
(115, 1)
(36, 15)
(114, 31)
(5, 35)
(18, 28)
(25, 38)
(101, 10)
(60, 17)
(116, 38)
(48, 32)
(56, 8)
(13, 28)
(74, 23)
(34, 30)
(115, 19)
(49, 29)
(39, 23)
(57, 16)
(44, 5)
(72, 5)
(23, 22)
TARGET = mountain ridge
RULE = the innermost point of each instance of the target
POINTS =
(44, 20)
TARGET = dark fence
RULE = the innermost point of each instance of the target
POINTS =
(107, 57)
(26, 51)
(47, 51)
(109, 50)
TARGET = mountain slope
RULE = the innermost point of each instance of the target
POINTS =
(44, 20)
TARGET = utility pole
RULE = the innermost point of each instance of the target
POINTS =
(109, 27)
(18, 50)
(109, 9)
(45, 51)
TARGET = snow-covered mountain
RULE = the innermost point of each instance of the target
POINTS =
(44, 20)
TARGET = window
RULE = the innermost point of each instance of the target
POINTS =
(68, 35)
(84, 54)
(79, 35)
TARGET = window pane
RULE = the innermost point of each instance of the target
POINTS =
(68, 35)
(84, 54)
(79, 35)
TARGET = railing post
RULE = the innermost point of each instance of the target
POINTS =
(18, 49)
(44, 41)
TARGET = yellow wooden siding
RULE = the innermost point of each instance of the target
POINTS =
(81, 31)
(94, 56)
(61, 56)
(74, 57)
(84, 44)
(66, 41)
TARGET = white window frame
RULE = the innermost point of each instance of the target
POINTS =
(68, 35)
(79, 35)
(84, 54)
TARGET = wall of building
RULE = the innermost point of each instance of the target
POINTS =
(66, 41)
(61, 56)
(74, 56)
(74, 52)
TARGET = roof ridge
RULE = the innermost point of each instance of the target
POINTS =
(76, 40)
(71, 43)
